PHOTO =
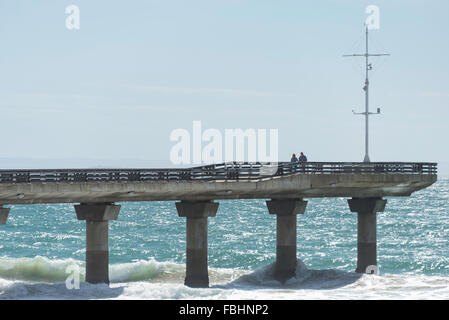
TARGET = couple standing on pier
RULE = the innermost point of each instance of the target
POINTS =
(302, 158)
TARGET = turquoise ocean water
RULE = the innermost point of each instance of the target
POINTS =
(147, 252)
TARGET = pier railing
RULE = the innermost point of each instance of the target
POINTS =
(216, 172)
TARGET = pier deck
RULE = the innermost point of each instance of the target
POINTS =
(222, 181)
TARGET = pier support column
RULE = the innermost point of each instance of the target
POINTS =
(366, 209)
(97, 216)
(4, 212)
(286, 211)
(196, 213)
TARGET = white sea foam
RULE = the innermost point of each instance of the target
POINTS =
(42, 278)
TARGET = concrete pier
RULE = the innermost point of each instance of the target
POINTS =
(196, 212)
(97, 216)
(4, 212)
(285, 211)
(285, 183)
(366, 209)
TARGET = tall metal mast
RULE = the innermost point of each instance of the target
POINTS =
(368, 67)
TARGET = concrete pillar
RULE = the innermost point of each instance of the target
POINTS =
(97, 216)
(366, 209)
(4, 212)
(286, 211)
(196, 213)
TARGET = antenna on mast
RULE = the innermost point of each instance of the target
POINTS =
(368, 67)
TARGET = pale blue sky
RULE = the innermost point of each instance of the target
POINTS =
(136, 70)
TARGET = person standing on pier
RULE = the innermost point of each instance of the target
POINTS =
(294, 159)
(302, 159)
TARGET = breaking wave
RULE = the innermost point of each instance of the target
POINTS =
(42, 278)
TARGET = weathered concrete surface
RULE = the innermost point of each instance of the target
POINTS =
(4, 212)
(97, 211)
(293, 186)
(196, 212)
(97, 218)
(366, 230)
(285, 211)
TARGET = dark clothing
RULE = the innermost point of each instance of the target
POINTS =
(294, 159)
(303, 158)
